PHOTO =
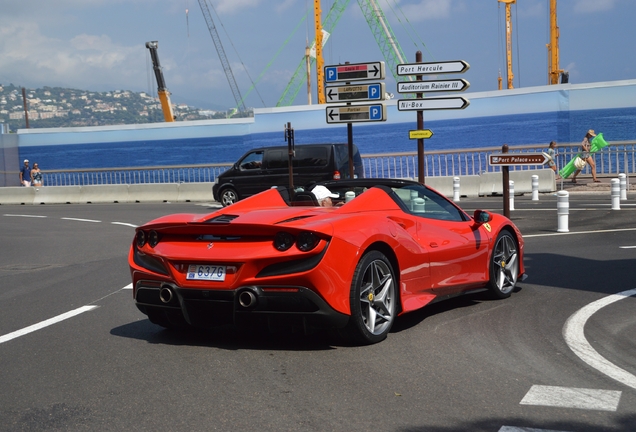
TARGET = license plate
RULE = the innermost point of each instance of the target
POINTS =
(206, 272)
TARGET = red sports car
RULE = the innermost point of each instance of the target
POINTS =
(393, 247)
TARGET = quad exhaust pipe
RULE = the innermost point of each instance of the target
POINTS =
(247, 299)
(165, 294)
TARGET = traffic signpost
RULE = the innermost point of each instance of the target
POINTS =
(356, 113)
(435, 68)
(420, 134)
(432, 86)
(355, 93)
(419, 104)
(518, 159)
(355, 72)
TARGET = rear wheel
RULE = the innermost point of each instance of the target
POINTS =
(228, 196)
(373, 300)
(504, 266)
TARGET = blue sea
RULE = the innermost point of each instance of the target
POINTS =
(520, 129)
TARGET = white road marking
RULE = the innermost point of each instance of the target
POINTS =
(579, 232)
(129, 286)
(575, 339)
(524, 429)
(124, 224)
(627, 247)
(20, 215)
(46, 323)
(81, 220)
(569, 397)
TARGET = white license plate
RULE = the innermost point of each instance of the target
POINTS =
(206, 272)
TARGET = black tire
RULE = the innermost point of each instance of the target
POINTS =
(373, 300)
(228, 196)
(504, 266)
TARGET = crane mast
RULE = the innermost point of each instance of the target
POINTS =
(162, 91)
(510, 75)
(553, 47)
(240, 105)
(320, 64)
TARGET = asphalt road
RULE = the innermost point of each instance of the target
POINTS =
(558, 355)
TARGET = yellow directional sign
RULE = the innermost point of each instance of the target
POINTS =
(420, 134)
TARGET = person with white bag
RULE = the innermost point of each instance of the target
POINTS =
(585, 157)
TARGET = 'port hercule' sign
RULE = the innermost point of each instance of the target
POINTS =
(456, 66)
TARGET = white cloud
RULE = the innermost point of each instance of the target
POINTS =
(591, 6)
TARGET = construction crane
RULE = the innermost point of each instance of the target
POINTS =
(240, 105)
(510, 75)
(162, 91)
(319, 60)
(303, 69)
(379, 25)
(553, 48)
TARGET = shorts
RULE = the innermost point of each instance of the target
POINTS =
(26, 183)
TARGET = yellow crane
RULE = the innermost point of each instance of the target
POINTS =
(162, 91)
(553, 47)
(319, 60)
(510, 75)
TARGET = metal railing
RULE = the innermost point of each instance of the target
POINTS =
(616, 158)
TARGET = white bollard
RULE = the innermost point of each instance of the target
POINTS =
(535, 188)
(456, 189)
(563, 211)
(616, 194)
(512, 194)
(623, 178)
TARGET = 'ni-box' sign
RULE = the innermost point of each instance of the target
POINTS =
(355, 72)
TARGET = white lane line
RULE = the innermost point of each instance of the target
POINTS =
(579, 232)
(124, 224)
(525, 429)
(627, 247)
(46, 323)
(81, 220)
(129, 286)
(20, 215)
(575, 339)
(569, 397)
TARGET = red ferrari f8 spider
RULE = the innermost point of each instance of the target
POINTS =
(393, 248)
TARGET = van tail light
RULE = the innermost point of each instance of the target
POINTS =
(336, 175)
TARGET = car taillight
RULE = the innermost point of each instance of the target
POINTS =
(141, 238)
(306, 241)
(336, 175)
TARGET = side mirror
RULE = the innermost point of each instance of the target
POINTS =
(482, 216)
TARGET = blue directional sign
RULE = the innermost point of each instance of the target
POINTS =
(355, 72)
(355, 93)
(356, 113)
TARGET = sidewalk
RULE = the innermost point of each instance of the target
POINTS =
(587, 185)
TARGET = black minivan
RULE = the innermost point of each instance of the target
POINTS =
(261, 168)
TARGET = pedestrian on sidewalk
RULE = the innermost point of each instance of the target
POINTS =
(25, 174)
(552, 162)
(586, 155)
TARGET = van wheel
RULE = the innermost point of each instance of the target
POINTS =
(228, 196)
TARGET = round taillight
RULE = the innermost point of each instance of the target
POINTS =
(336, 175)
(283, 241)
(153, 238)
(306, 241)
(141, 238)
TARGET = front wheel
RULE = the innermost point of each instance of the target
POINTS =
(228, 196)
(373, 300)
(504, 266)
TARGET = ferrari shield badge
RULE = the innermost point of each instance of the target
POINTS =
(487, 226)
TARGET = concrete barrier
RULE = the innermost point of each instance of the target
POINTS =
(492, 183)
(17, 195)
(195, 192)
(104, 194)
(469, 186)
(156, 192)
(57, 195)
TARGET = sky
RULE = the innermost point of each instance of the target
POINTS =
(99, 45)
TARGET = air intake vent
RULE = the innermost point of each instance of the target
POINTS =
(293, 219)
(222, 219)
